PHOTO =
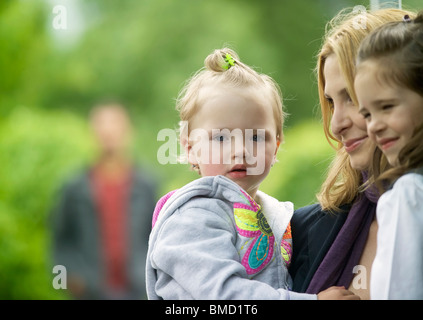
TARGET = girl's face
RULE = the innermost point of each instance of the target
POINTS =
(233, 134)
(392, 112)
(347, 125)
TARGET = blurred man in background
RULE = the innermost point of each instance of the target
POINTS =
(102, 220)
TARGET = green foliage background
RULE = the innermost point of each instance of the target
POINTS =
(139, 52)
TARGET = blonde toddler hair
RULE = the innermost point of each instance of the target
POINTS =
(216, 70)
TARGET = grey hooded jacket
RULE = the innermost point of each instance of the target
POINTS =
(211, 241)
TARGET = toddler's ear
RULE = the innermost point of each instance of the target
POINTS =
(188, 151)
(278, 143)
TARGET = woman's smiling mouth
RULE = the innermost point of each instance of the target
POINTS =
(352, 144)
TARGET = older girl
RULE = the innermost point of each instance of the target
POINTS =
(389, 86)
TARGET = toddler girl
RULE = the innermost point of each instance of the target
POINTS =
(220, 237)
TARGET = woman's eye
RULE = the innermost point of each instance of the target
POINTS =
(387, 106)
(349, 100)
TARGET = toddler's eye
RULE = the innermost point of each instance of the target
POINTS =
(219, 138)
(258, 137)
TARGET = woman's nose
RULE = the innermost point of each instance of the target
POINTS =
(341, 120)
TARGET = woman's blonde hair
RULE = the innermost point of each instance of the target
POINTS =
(343, 35)
(398, 49)
(223, 66)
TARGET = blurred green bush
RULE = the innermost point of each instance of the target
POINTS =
(38, 150)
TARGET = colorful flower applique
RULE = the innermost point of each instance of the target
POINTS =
(251, 223)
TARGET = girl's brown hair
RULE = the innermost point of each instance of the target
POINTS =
(399, 45)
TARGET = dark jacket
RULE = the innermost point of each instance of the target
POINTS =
(313, 232)
(76, 234)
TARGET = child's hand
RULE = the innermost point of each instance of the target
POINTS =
(337, 293)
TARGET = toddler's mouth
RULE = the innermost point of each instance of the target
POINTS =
(238, 168)
(238, 171)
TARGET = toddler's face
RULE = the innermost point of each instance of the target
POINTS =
(233, 134)
(392, 112)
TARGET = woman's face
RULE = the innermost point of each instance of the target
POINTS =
(347, 124)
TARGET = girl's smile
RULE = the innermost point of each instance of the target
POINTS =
(391, 111)
(386, 143)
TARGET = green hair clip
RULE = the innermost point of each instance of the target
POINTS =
(229, 62)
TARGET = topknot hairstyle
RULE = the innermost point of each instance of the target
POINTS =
(238, 75)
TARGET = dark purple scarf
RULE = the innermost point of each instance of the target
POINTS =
(345, 252)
